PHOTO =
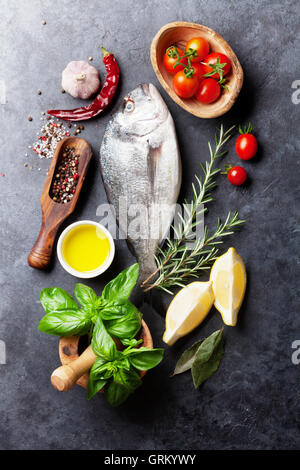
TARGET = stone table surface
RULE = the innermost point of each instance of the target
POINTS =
(253, 399)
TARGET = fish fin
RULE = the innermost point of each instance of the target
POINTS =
(154, 153)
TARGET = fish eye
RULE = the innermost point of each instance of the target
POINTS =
(129, 106)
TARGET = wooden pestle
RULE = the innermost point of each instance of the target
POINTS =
(65, 377)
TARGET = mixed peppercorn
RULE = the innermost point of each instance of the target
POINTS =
(66, 177)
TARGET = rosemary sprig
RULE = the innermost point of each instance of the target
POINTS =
(177, 262)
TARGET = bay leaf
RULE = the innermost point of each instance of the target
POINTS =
(208, 346)
(186, 360)
(202, 370)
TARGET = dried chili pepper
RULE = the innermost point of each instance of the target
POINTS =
(101, 101)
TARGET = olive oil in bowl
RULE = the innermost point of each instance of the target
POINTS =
(85, 249)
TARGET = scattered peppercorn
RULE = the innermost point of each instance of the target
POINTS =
(44, 22)
(63, 91)
(49, 136)
(29, 118)
(39, 92)
(90, 58)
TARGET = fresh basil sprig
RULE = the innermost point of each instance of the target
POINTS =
(117, 371)
(121, 318)
(202, 358)
(108, 316)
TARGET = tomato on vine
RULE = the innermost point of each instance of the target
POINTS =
(246, 144)
(216, 65)
(198, 47)
(185, 84)
(209, 91)
(171, 57)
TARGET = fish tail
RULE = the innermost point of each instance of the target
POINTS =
(147, 266)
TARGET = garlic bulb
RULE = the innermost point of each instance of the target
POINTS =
(80, 79)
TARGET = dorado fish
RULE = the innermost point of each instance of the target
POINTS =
(141, 170)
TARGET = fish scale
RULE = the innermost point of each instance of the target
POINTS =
(141, 170)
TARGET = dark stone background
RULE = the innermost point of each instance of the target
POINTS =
(253, 400)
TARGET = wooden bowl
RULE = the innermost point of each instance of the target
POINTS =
(178, 33)
(69, 349)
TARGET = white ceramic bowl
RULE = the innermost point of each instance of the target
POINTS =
(85, 274)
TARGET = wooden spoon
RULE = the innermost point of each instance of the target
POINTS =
(178, 33)
(54, 213)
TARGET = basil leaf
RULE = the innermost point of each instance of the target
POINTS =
(116, 393)
(125, 364)
(121, 386)
(65, 323)
(201, 372)
(131, 342)
(186, 360)
(54, 299)
(94, 386)
(145, 358)
(127, 326)
(85, 294)
(115, 310)
(130, 379)
(102, 343)
(98, 368)
(121, 287)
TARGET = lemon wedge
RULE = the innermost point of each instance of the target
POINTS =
(228, 276)
(187, 310)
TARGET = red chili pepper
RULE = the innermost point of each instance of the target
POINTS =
(101, 101)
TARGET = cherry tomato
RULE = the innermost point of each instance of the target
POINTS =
(201, 47)
(237, 175)
(213, 59)
(184, 86)
(209, 91)
(246, 146)
(169, 61)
